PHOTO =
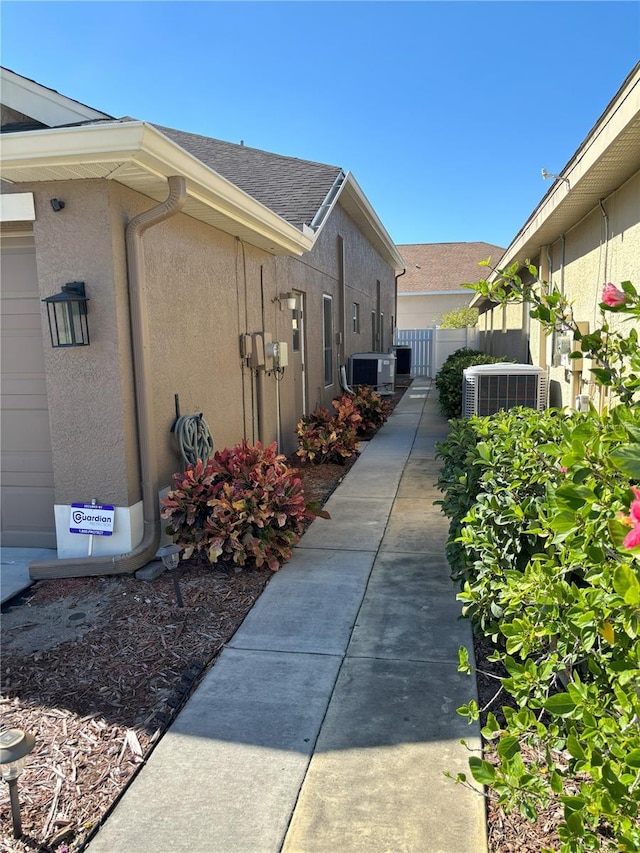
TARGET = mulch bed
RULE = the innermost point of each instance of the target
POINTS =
(99, 702)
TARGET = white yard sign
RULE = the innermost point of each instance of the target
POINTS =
(92, 519)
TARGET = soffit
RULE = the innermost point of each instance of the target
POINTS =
(143, 162)
(619, 163)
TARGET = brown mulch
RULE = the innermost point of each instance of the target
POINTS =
(99, 702)
(509, 833)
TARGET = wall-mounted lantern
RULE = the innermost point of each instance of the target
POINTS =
(286, 300)
(67, 315)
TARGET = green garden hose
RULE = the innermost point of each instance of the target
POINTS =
(194, 438)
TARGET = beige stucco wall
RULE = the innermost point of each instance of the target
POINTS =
(318, 273)
(424, 312)
(194, 285)
(589, 262)
(90, 415)
(502, 332)
(203, 289)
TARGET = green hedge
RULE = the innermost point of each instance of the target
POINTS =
(537, 504)
(449, 378)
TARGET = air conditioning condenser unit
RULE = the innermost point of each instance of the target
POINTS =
(488, 388)
(373, 368)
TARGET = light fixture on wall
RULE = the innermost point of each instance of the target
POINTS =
(286, 300)
(548, 176)
(67, 315)
(15, 746)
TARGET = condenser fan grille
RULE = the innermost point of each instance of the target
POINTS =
(504, 392)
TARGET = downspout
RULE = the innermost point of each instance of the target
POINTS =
(395, 303)
(127, 563)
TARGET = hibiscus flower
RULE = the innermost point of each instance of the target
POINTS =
(632, 539)
(613, 296)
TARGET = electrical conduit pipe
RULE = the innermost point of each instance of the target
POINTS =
(128, 563)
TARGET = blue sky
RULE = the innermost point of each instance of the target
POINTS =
(445, 112)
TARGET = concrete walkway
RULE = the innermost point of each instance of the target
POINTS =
(14, 569)
(329, 719)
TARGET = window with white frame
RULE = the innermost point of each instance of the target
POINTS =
(327, 337)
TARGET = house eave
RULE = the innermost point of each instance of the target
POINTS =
(607, 158)
(140, 157)
(356, 204)
(43, 104)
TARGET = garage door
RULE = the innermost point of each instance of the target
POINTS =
(26, 490)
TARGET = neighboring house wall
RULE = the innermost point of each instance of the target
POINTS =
(424, 311)
(580, 262)
(503, 333)
(432, 283)
(589, 262)
(584, 233)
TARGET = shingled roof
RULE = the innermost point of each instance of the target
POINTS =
(442, 267)
(294, 189)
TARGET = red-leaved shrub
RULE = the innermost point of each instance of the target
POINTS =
(327, 437)
(244, 505)
(372, 408)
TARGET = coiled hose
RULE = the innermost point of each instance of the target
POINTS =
(194, 438)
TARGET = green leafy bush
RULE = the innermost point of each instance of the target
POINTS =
(540, 507)
(372, 408)
(324, 436)
(459, 318)
(547, 578)
(449, 378)
(245, 505)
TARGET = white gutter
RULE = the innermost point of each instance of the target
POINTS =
(109, 149)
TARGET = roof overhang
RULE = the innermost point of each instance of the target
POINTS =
(607, 159)
(356, 204)
(42, 104)
(139, 156)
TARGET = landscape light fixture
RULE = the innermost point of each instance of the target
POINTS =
(287, 300)
(15, 746)
(67, 315)
(170, 556)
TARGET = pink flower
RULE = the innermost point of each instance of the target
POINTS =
(632, 539)
(613, 296)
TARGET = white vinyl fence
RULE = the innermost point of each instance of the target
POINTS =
(431, 347)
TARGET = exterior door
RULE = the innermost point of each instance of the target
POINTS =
(298, 356)
(26, 490)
